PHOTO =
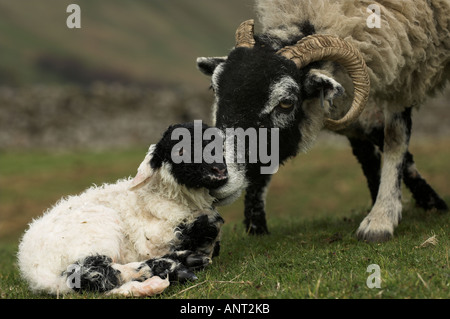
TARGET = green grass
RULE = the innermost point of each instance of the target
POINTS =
(314, 208)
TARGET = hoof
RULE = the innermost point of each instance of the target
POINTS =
(149, 287)
(197, 261)
(253, 229)
(374, 237)
(375, 230)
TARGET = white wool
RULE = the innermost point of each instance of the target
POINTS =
(126, 225)
(408, 57)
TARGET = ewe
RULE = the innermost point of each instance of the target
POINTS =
(311, 51)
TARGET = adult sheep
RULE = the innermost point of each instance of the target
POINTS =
(309, 54)
(134, 236)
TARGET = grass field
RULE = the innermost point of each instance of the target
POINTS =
(315, 204)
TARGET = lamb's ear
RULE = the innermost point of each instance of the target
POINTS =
(318, 81)
(144, 172)
(208, 65)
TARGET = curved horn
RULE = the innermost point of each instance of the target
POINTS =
(244, 34)
(325, 47)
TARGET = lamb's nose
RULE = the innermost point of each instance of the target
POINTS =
(220, 172)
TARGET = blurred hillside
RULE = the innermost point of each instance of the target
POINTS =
(119, 81)
(150, 42)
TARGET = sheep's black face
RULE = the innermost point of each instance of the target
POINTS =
(256, 88)
(259, 89)
(190, 158)
(245, 87)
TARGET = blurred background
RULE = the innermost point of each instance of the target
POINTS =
(126, 74)
(81, 106)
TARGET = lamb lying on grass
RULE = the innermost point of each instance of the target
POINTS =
(132, 237)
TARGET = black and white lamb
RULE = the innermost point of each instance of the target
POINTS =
(322, 64)
(132, 237)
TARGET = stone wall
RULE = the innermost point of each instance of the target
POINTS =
(116, 116)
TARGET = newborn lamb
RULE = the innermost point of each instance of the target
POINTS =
(133, 237)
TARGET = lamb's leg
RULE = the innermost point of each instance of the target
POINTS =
(177, 266)
(98, 273)
(387, 211)
(201, 238)
(255, 200)
(150, 287)
(93, 273)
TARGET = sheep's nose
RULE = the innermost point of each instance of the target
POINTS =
(219, 172)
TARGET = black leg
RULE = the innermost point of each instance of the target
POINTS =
(93, 273)
(423, 194)
(255, 215)
(368, 152)
(168, 266)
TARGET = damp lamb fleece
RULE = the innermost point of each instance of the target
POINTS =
(111, 220)
(408, 56)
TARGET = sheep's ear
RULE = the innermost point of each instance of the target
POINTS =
(318, 81)
(208, 65)
(144, 172)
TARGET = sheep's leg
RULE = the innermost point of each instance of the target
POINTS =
(369, 157)
(255, 198)
(387, 211)
(423, 194)
(368, 152)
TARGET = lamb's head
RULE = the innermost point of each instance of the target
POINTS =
(186, 155)
(262, 85)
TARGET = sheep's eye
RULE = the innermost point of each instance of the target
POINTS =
(286, 105)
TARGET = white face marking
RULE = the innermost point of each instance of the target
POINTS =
(215, 77)
(214, 80)
(285, 89)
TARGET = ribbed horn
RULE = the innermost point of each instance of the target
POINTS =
(331, 48)
(244, 34)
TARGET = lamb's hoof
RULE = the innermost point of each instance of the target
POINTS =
(153, 286)
(149, 287)
(197, 261)
(184, 275)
